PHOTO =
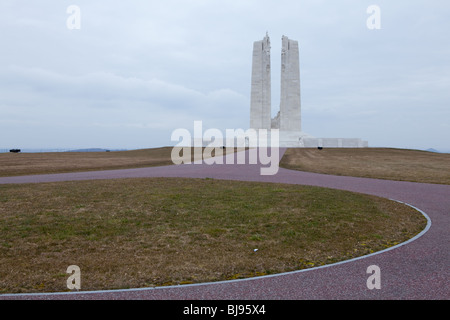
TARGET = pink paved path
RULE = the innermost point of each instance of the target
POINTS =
(418, 269)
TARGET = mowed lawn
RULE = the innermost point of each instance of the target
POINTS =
(12, 164)
(380, 163)
(130, 233)
(56, 162)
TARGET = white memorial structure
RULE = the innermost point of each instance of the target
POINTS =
(288, 119)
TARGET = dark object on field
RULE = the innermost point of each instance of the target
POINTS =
(14, 150)
(320, 148)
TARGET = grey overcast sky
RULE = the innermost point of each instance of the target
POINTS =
(137, 70)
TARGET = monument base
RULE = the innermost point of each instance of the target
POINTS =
(283, 139)
(335, 143)
(299, 139)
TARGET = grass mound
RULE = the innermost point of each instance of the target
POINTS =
(150, 232)
(378, 163)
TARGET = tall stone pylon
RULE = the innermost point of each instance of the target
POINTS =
(260, 100)
(290, 108)
(286, 127)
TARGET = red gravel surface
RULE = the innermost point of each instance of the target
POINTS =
(418, 269)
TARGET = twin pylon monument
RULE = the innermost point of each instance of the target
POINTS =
(288, 119)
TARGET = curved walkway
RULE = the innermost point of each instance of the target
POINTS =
(418, 270)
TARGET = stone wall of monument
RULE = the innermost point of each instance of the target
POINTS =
(334, 143)
(260, 100)
(290, 112)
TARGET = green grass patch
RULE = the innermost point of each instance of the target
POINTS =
(151, 232)
(12, 164)
(378, 163)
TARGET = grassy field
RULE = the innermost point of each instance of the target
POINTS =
(381, 163)
(57, 162)
(152, 232)
(163, 231)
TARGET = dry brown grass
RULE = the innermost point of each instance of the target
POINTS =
(151, 232)
(381, 163)
(12, 164)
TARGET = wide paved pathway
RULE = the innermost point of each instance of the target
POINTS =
(418, 269)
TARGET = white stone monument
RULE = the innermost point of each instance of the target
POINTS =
(290, 111)
(288, 119)
(260, 104)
